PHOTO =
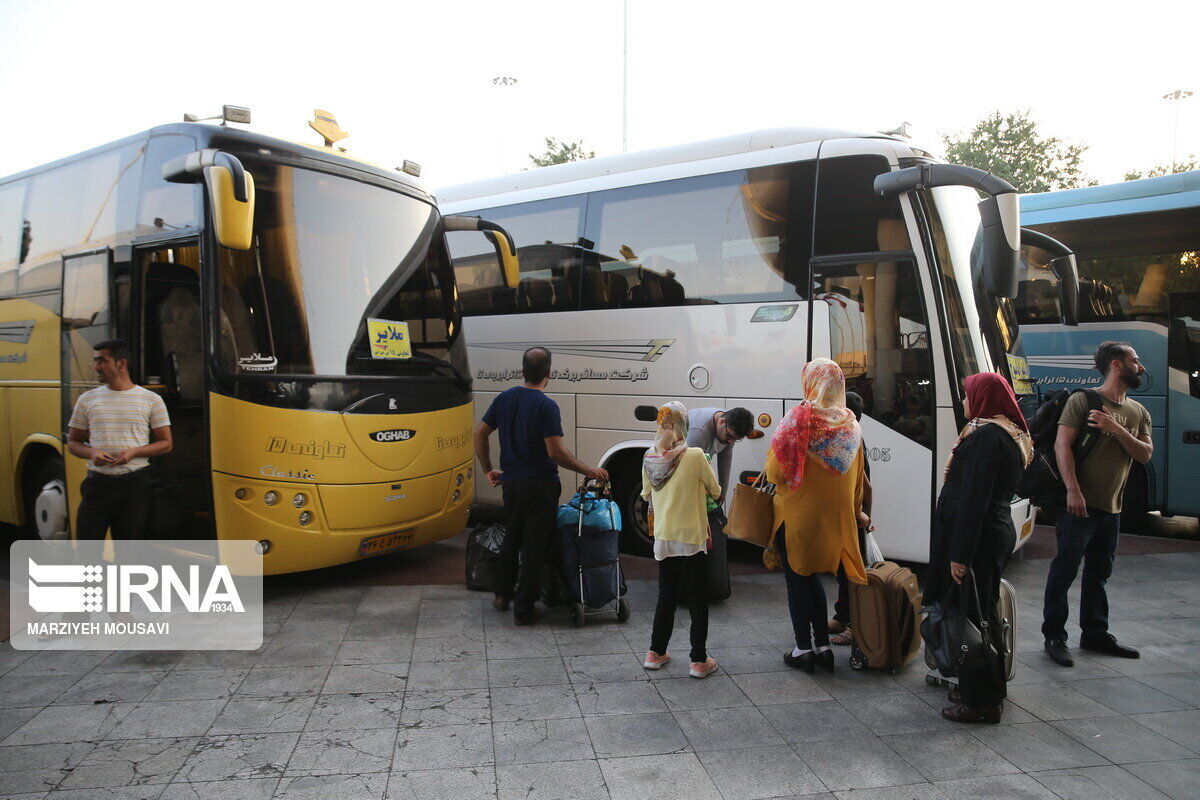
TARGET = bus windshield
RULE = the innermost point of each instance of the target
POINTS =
(329, 253)
(954, 224)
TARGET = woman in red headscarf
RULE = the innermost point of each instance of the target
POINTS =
(973, 529)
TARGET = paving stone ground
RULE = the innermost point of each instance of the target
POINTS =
(421, 692)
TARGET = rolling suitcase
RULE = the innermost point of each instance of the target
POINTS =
(1006, 610)
(718, 558)
(884, 615)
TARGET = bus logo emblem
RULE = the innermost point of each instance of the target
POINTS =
(394, 435)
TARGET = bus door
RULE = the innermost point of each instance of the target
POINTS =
(169, 355)
(877, 328)
(86, 321)
(1183, 404)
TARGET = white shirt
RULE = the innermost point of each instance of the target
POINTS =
(116, 421)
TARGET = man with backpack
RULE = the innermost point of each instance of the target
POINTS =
(1117, 431)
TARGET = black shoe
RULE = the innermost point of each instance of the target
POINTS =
(1107, 643)
(825, 660)
(527, 619)
(961, 713)
(806, 661)
(1058, 652)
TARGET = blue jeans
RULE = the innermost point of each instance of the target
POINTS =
(1092, 540)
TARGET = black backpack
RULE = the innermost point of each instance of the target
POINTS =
(1041, 483)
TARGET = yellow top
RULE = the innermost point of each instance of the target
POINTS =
(820, 518)
(680, 514)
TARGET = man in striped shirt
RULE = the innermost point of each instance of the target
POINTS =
(111, 427)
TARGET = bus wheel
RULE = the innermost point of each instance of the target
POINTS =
(1134, 502)
(46, 501)
(627, 489)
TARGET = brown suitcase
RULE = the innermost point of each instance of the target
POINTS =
(885, 617)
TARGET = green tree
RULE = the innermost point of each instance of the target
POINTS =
(1010, 145)
(1185, 164)
(560, 153)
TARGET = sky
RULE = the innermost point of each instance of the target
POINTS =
(415, 81)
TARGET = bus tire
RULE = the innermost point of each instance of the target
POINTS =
(46, 513)
(627, 491)
(1135, 517)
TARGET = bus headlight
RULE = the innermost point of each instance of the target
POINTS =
(262, 547)
(271, 497)
(458, 479)
(454, 498)
(470, 473)
(299, 500)
(241, 494)
(305, 517)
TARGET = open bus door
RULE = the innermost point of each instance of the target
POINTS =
(1183, 404)
(168, 354)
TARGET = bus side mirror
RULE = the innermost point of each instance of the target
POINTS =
(1065, 268)
(1001, 215)
(230, 192)
(999, 211)
(506, 248)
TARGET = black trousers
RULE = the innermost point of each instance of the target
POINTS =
(120, 503)
(807, 604)
(529, 509)
(675, 574)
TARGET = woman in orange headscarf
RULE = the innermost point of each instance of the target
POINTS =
(816, 463)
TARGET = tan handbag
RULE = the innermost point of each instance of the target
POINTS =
(752, 513)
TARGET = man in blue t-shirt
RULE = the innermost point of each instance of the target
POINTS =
(531, 450)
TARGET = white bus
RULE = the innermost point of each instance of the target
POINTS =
(710, 272)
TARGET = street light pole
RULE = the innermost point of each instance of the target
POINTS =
(1176, 96)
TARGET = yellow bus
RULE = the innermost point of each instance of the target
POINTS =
(295, 308)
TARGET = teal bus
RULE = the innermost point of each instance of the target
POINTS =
(1137, 245)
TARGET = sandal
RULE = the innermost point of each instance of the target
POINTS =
(844, 638)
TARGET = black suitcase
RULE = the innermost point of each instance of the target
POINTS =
(718, 558)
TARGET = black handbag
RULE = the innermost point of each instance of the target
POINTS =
(957, 643)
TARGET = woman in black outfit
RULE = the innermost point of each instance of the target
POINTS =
(974, 531)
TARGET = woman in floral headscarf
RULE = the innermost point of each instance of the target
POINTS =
(675, 479)
(816, 463)
(973, 529)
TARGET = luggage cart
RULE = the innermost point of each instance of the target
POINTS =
(588, 555)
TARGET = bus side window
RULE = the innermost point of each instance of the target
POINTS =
(166, 206)
(721, 238)
(73, 206)
(547, 234)
(850, 211)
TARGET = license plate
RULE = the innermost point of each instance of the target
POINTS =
(374, 545)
